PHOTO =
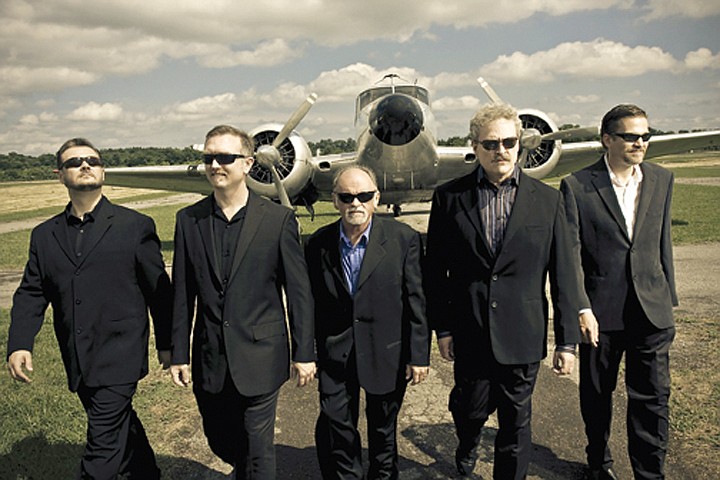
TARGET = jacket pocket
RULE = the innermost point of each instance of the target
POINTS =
(267, 330)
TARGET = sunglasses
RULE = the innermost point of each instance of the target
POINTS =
(345, 197)
(633, 137)
(492, 145)
(75, 162)
(222, 158)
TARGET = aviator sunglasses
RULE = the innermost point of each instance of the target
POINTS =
(222, 158)
(492, 145)
(75, 162)
(633, 137)
(345, 197)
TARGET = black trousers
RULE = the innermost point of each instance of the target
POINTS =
(240, 429)
(647, 380)
(116, 441)
(338, 440)
(481, 389)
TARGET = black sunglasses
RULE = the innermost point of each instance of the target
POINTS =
(492, 145)
(75, 162)
(222, 158)
(633, 137)
(345, 197)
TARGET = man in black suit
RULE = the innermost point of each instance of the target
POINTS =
(370, 327)
(493, 236)
(100, 267)
(236, 253)
(619, 214)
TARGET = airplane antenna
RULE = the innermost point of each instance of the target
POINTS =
(489, 91)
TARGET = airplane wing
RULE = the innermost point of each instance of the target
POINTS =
(575, 156)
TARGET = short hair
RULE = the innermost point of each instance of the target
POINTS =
(247, 141)
(74, 142)
(617, 113)
(490, 112)
(362, 168)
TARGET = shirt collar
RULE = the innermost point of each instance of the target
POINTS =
(88, 216)
(635, 178)
(514, 179)
(364, 238)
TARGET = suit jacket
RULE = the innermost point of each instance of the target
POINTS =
(100, 302)
(241, 325)
(612, 263)
(480, 297)
(383, 325)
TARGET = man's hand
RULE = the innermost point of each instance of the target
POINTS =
(563, 363)
(416, 374)
(447, 350)
(305, 372)
(589, 328)
(164, 358)
(18, 360)
(180, 375)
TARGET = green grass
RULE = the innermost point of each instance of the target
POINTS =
(695, 214)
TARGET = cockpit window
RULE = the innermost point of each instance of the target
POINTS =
(372, 94)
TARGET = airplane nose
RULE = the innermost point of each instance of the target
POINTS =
(396, 120)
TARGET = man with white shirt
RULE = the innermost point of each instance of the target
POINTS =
(619, 214)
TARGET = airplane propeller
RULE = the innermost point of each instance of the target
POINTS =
(269, 155)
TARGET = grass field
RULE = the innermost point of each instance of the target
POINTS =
(43, 424)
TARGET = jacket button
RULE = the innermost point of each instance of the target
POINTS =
(493, 304)
(227, 324)
(78, 301)
(494, 277)
(78, 331)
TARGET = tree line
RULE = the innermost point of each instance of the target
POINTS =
(18, 167)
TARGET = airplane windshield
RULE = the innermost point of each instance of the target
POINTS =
(372, 94)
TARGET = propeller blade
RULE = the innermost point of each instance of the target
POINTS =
(282, 193)
(582, 132)
(295, 119)
(489, 91)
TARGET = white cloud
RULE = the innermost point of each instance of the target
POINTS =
(597, 59)
(702, 59)
(580, 99)
(687, 8)
(96, 112)
(464, 103)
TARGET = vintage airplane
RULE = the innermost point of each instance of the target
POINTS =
(396, 138)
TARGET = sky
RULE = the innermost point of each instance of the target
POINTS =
(138, 73)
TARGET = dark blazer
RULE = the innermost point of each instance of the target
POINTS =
(100, 302)
(384, 324)
(611, 262)
(478, 296)
(246, 332)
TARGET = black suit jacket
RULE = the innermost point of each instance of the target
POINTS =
(241, 325)
(100, 302)
(480, 297)
(612, 263)
(384, 324)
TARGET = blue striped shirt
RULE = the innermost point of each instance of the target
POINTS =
(352, 256)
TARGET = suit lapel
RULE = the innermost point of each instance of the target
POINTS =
(469, 203)
(207, 236)
(61, 237)
(255, 211)
(601, 182)
(331, 255)
(647, 191)
(524, 200)
(374, 253)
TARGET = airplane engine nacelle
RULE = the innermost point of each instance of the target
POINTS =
(543, 155)
(294, 167)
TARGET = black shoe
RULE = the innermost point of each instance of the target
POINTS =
(604, 473)
(465, 463)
